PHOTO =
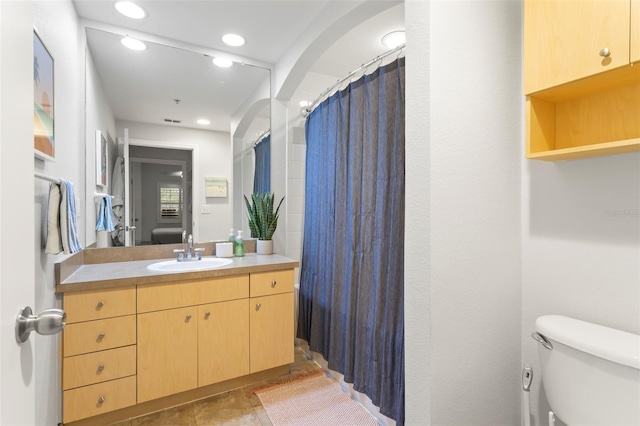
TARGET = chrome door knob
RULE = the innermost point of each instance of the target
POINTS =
(605, 52)
(51, 321)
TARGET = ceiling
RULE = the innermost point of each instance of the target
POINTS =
(155, 77)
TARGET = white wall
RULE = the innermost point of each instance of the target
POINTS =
(214, 158)
(58, 26)
(463, 267)
(581, 248)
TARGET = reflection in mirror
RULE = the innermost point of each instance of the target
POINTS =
(159, 95)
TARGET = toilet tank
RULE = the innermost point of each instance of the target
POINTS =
(592, 374)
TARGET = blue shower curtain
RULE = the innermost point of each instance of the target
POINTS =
(262, 172)
(352, 272)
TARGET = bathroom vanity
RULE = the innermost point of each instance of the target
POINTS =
(137, 341)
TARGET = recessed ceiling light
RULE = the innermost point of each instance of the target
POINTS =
(133, 44)
(222, 62)
(130, 9)
(233, 40)
(394, 39)
(203, 121)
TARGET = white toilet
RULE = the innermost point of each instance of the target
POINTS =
(590, 373)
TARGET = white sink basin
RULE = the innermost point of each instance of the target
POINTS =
(188, 266)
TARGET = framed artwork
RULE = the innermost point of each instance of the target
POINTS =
(43, 101)
(215, 187)
(102, 154)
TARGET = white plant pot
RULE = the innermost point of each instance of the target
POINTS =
(264, 246)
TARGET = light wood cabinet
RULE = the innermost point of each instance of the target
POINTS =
(167, 352)
(563, 40)
(223, 341)
(581, 104)
(99, 352)
(137, 345)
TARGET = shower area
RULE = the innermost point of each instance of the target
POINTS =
(346, 207)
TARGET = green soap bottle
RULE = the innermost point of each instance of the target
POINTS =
(239, 252)
(232, 238)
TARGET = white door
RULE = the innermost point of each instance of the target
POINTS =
(129, 227)
(17, 370)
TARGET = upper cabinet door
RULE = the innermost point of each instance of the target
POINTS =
(635, 30)
(566, 40)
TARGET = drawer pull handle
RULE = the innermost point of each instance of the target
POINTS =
(605, 52)
(273, 283)
(188, 317)
(207, 315)
(101, 400)
(101, 367)
(101, 336)
(258, 306)
(100, 304)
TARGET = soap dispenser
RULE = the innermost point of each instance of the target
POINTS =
(239, 252)
(231, 238)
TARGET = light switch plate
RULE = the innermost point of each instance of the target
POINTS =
(206, 209)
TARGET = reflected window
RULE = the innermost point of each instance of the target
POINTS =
(170, 197)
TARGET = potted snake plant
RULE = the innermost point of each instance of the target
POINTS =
(263, 220)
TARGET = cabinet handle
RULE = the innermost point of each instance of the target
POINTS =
(605, 52)
(188, 317)
(258, 306)
(101, 400)
(101, 367)
(207, 315)
(273, 283)
(100, 304)
(100, 336)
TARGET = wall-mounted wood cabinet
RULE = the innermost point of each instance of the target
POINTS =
(583, 90)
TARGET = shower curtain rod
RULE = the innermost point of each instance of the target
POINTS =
(307, 110)
(260, 137)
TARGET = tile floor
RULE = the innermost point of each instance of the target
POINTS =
(238, 407)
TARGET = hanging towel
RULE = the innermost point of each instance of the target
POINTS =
(68, 220)
(105, 215)
(54, 242)
(117, 189)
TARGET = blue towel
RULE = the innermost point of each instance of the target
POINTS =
(105, 215)
(68, 219)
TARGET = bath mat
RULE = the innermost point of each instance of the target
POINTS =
(312, 399)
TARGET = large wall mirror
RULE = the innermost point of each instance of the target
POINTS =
(183, 128)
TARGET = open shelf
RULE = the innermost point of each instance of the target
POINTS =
(588, 118)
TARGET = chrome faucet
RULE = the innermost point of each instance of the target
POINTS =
(190, 253)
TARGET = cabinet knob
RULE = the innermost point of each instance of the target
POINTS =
(100, 304)
(101, 400)
(101, 367)
(100, 336)
(605, 52)
(188, 317)
(207, 315)
(273, 283)
(258, 306)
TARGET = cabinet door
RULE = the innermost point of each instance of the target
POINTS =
(223, 341)
(271, 334)
(563, 40)
(635, 30)
(167, 352)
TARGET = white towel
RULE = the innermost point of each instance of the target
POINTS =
(54, 243)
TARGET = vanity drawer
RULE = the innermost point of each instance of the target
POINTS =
(93, 305)
(157, 297)
(97, 367)
(273, 282)
(92, 336)
(223, 289)
(85, 402)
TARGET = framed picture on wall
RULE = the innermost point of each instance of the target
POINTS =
(102, 154)
(43, 101)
